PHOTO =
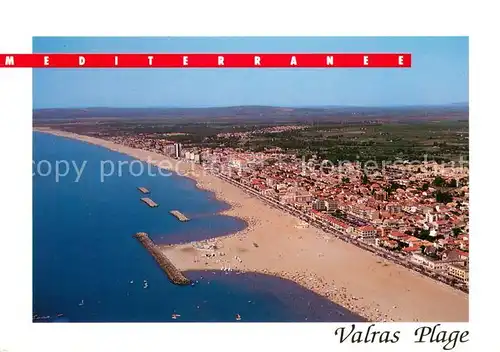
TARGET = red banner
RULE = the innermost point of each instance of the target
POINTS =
(332, 60)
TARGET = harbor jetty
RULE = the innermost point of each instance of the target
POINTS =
(143, 190)
(174, 275)
(149, 202)
(179, 215)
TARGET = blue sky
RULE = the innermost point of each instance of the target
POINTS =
(439, 74)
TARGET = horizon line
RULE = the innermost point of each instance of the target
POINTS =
(261, 106)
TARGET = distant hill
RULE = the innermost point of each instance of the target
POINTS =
(452, 111)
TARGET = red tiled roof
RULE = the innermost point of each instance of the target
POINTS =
(398, 234)
(411, 249)
(331, 219)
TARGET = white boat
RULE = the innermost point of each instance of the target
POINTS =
(131, 281)
(81, 303)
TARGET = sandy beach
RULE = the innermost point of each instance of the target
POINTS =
(273, 243)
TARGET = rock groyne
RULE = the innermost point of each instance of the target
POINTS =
(150, 202)
(179, 215)
(176, 276)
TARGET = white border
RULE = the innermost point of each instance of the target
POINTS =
(20, 20)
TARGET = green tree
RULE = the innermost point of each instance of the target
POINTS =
(365, 179)
(338, 213)
(394, 186)
(439, 181)
(443, 197)
(456, 231)
(423, 235)
(345, 179)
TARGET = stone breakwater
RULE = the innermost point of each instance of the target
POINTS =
(172, 272)
(179, 215)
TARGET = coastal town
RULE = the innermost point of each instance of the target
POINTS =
(415, 214)
(338, 196)
(307, 224)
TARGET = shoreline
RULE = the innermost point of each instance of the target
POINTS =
(273, 244)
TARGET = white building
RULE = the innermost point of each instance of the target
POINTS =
(366, 231)
(428, 262)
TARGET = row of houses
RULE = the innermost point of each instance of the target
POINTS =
(362, 232)
(456, 267)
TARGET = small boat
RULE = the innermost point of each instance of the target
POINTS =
(175, 316)
(131, 281)
(59, 315)
(81, 303)
(238, 317)
(145, 285)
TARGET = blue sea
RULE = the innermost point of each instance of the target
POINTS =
(87, 267)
